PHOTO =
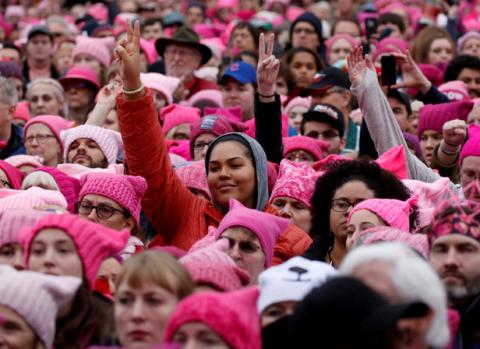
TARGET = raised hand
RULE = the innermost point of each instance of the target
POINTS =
(411, 73)
(268, 66)
(107, 94)
(127, 53)
(454, 132)
(357, 66)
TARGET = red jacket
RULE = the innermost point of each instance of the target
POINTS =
(177, 215)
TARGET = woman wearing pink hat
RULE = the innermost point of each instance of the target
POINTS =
(295, 110)
(42, 138)
(339, 46)
(10, 177)
(93, 53)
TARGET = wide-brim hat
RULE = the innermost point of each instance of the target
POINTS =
(187, 37)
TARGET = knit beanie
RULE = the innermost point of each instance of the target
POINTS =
(93, 241)
(166, 85)
(231, 113)
(33, 197)
(25, 160)
(472, 145)
(465, 37)
(266, 227)
(310, 145)
(36, 298)
(295, 181)
(176, 114)
(125, 190)
(15, 177)
(11, 220)
(208, 98)
(305, 102)
(429, 194)
(433, 116)
(455, 90)
(413, 142)
(395, 213)
(55, 123)
(10, 70)
(354, 42)
(291, 281)
(109, 141)
(93, 47)
(232, 315)
(21, 111)
(212, 265)
(193, 176)
(311, 19)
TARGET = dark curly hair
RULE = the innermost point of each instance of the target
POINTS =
(384, 184)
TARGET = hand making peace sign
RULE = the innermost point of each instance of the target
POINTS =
(268, 66)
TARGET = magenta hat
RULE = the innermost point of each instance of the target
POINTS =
(93, 241)
(93, 47)
(193, 175)
(15, 177)
(176, 114)
(214, 97)
(81, 73)
(433, 116)
(312, 146)
(455, 90)
(465, 37)
(24, 160)
(298, 102)
(55, 123)
(127, 191)
(11, 220)
(149, 49)
(472, 145)
(231, 113)
(232, 315)
(295, 181)
(266, 227)
(22, 111)
(212, 265)
(166, 85)
(432, 73)
(395, 213)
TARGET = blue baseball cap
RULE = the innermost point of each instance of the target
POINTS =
(240, 71)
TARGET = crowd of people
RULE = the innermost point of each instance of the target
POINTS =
(240, 174)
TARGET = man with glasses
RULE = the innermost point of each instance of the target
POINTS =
(11, 136)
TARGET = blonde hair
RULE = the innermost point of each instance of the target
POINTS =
(40, 179)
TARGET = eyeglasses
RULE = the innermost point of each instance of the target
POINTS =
(199, 146)
(343, 205)
(40, 138)
(5, 184)
(103, 211)
(247, 247)
(306, 30)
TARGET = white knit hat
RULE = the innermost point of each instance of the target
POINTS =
(109, 141)
(291, 281)
(37, 298)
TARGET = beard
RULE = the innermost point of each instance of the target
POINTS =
(88, 161)
(469, 288)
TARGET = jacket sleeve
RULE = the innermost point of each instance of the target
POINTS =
(433, 96)
(167, 202)
(268, 128)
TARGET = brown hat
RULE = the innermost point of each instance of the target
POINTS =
(187, 37)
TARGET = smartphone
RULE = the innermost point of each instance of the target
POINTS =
(370, 27)
(385, 33)
(389, 70)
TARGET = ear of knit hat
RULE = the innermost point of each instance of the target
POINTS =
(33, 197)
(305, 102)
(395, 213)
(266, 227)
(110, 142)
(312, 146)
(125, 190)
(429, 194)
(25, 160)
(69, 186)
(36, 298)
(295, 181)
(176, 114)
(291, 281)
(55, 123)
(433, 116)
(212, 265)
(93, 47)
(161, 83)
(213, 98)
(12, 220)
(233, 316)
(193, 175)
(15, 177)
(94, 242)
(394, 161)
(455, 90)
(472, 145)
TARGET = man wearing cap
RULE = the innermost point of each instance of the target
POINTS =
(182, 55)
(39, 55)
(326, 123)
(238, 84)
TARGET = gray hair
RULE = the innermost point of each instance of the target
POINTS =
(8, 92)
(413, 278)
(40, 179)
(58, 91)
(59, 20)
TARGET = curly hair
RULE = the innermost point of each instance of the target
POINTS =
(384, 184)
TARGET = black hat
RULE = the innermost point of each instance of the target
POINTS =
(39, 30)
(401, 97)
(185, 36)
(326, 113)
(327, 78)
(345, 313)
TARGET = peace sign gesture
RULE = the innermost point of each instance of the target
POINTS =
(268, 66)
(127, 53)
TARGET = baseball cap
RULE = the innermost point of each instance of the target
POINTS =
(327, 78)
(39, 29)
(326, 113)
(242, 72)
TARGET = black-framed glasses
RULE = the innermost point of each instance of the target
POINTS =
(39, 138)
(103, 211)
(5, 184)
(248, 247)
(343, 205)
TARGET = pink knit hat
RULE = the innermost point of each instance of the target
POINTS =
(11, 220)
(109, 141)
(127, 191)
(433, 116)
(266, 227)
(429, 194)
(166, 85)
(55, 123)
(394, 212)
(83, 73)
(214, 97)
(455, 90)
(69, 186)
(36, 298)
(233, 114)
(94, 242)
(94, 48)
(464, 38)
(148, 47)
(176, 114)
(21, 111)
(15, 177)
(350, 39)
(213, 266)
(394, 161)
(314, 147)
(193, 175)
(298, 102)
(296, 181)
(472, 145)
(32, 198)
(25, 160)
(233, 316)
